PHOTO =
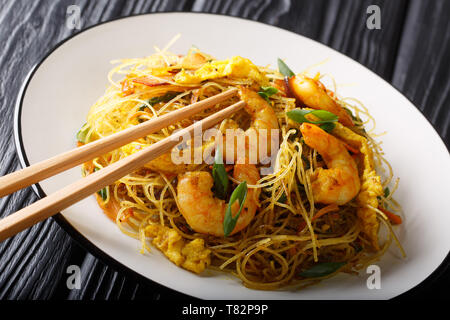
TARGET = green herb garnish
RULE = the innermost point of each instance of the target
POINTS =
(327, 119)
(387, 192)
(352, 115)
(103, 193)
(165, 98)
(240, 194)
(284, 69)
(328, 127)
(266, 92)
(220, 176)
(81, 135)
(322, 269)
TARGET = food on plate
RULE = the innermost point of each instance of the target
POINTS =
(304, 197)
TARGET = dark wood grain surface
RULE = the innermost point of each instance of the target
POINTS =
(411, 51)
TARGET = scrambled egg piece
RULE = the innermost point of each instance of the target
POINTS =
(194, 60)
(370, 183)
(235, 67)
(192, 256)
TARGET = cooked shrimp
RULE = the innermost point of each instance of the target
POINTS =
(314, 95)
(340, 182)
(203, 212)
(263, 120)
(262, 117)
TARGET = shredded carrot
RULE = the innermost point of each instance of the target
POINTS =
(395, 219)
(150, 82)
(129, 214)
(321, 212)
(127, 88)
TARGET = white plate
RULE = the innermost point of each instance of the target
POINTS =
(58, 93)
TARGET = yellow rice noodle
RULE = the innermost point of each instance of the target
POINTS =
(283, 239)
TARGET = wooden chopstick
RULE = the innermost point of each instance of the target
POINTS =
(47, 168)
(84, 187)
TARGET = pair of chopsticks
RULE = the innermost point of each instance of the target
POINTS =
(90, 184)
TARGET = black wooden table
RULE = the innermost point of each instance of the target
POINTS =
(411, 51)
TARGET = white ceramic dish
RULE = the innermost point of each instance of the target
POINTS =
(58, 93)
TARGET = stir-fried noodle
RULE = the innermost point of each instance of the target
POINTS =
(290, 232)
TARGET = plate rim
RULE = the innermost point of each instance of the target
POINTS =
(111, 261)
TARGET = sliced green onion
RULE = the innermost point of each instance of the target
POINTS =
(266, 92)
(298, 115)
(81, 135)
(387, 192)
(103, 193)
(240, 194)
(164, 98)
(327, 119)
(220, 176)
(284, 69)
(322, 269)
(352, 115)
(328, 127)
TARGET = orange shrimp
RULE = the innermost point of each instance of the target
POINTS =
(314, 95)
(263, 121)
(340, 182)
(262, 114)
(203, 212)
